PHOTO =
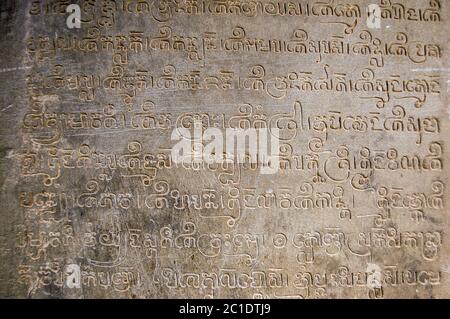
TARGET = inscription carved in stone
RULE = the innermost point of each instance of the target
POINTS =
(224, 149)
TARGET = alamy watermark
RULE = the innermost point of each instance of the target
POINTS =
(373, 16)
(73, 21)
(210, 145)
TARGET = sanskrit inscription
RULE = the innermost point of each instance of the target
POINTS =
(224, 149)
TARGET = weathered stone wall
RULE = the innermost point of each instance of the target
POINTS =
(93, 204)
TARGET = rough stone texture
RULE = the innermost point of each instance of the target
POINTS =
(92, 206)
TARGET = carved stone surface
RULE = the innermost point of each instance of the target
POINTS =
(93, 205)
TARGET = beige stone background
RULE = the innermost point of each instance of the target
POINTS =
(91, 206)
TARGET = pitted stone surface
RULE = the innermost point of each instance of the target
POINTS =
(93, 204)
